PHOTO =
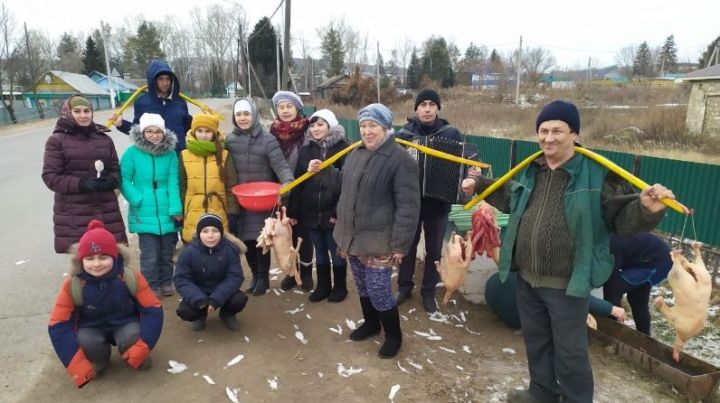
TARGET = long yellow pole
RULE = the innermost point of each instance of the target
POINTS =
(324, 165)
(501, 180)
(127, 103)
(443, 155)
(142, 89)
(639, 183)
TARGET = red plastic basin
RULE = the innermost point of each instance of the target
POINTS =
(257, 196)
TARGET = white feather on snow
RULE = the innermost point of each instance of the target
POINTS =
(234, 361)
(300, 336)
(273, 383)
(232, 394)
(508, 350)
(350, 324)
(393, 391)
(176, 367)
(208, 380)
(347, 372)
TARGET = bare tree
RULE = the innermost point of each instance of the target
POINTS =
(179, 47)
(536, 62)
(625, 59)
(8, 63)
(215, 28)
(404, 48)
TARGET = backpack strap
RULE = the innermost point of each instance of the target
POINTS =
(76, 286)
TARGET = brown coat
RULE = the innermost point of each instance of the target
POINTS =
(70, 154)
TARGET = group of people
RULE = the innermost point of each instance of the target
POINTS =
(365, 211)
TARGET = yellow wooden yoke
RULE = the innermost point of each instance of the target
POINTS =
(202, 106)
(427, 150)
(639, 183)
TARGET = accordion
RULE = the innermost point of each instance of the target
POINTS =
(441, 179)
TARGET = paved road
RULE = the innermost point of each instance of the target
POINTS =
(30, 271)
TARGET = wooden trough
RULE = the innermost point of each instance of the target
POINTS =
(695, 378)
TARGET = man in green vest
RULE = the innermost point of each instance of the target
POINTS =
(563, 208)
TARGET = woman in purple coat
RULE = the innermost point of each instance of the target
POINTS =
(81, 166)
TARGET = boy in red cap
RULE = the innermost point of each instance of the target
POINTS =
(101, 303)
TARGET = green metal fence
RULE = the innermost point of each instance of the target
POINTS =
(694, 184)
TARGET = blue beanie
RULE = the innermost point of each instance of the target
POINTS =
(209, 220)
(560, 110)
(378, 113)
(281, 96)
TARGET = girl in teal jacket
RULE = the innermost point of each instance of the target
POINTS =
(149, 171)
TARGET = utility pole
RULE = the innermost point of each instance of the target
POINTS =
(517, 79)
(249, 82)
(107, 66)
(377, 71)
(237, 61)
(286, 46)
(41, 114)
(589, 72)
(278, 74)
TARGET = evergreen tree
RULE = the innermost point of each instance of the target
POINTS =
(263, 51)
(142, 48)
(333, 50)
(667, 59)
(703, 61)
(643, 63)
(436, 62)
(68, 54)
(92, 57)
(414, 72)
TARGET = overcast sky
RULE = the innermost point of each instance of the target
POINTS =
(572, 30)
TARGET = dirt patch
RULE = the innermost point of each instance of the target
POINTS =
(477, 359)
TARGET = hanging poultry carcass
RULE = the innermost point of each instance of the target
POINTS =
(277, 235)
(691, 285)
(453, 266)
(486, 238)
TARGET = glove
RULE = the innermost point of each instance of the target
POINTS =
(233, 221)
(88, 184)
(136, 354)
(105, 183)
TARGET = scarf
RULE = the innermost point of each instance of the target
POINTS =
(290, 134)
(334, 137)
(202, 148)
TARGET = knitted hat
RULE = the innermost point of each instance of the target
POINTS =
(242, 105)
(97, 241)
(326, 115)
(209, 220)
(281, 96)
(79, 100)
(378, 113)
(207, 120)
(428, 94)
(560, 110)
(151, 119)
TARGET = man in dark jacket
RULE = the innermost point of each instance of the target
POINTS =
(163, 98)
(433, 213)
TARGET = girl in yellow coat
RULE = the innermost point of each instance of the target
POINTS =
(207, 174)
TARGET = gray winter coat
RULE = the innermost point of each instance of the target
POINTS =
(258, 158)
(379, 205)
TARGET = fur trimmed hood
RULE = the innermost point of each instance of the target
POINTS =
(168, 142)
(75, 266)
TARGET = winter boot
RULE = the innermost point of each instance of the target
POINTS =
(288, 283)
(306, 276)
(371, 326)
(390, 320)
(339, 291)
(263, 282)
(230, 321)
(323, 283)
(253, 281)
(199, 324)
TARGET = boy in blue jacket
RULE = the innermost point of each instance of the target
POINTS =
(208, 276)
(103, 303)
